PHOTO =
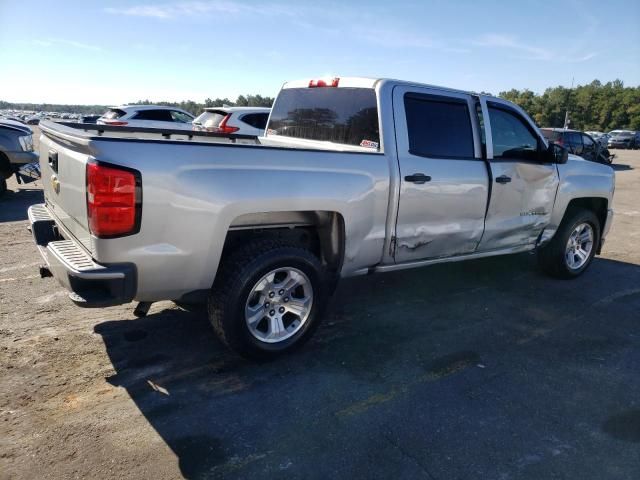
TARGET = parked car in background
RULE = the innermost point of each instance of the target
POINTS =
(89, 119)
(239, 120)
(14, 118)
(16, 150)
(147, 116)
(625, 139)
(578, 143)
(600, 137)
(34, 120)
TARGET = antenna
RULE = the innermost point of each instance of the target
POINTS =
(566, 114)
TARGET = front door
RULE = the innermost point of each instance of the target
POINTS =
(523, 188)
(443, 179)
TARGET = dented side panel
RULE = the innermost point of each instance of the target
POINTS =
(445, 215)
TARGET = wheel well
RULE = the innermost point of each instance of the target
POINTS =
(595, 204)
(321, 232)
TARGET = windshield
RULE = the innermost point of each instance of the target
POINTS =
(340, 115)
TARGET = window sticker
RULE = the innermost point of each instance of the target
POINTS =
(368, 144)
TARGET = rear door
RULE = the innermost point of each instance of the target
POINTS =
(444, 181)
(523, 188)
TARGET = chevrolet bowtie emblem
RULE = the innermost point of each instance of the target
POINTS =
(55, 183)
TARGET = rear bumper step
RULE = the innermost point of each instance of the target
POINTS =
(90, 284)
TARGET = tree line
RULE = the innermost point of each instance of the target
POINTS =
(595, 106)
(189, 105)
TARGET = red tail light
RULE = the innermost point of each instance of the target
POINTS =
(223, 128)
(116, 123)
(324, 83)
(560, 141)
(114, 197)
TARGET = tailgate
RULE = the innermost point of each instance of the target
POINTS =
(63, 158)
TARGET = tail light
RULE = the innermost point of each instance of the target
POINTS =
(115, 123)
(223, 128)
(560, 141)
(333, 82)
(114, 200)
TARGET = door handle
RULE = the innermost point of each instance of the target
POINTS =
(418, 178)
(503, 179)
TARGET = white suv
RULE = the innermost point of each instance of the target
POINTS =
(147, 116)
(238, 120)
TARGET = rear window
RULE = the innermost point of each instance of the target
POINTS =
(113, 113)
(209, 119)
(155, 115)
(551, 135)
(438, 127)
(341, 115)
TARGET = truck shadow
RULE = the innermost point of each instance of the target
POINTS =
(14, 203)
(621, 167)
(383, 335)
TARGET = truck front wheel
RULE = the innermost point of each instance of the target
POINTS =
(571, 250)
(267, 298)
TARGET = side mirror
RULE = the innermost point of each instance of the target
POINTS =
(555, 154)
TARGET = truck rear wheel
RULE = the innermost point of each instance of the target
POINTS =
(571, 250)
(267, 298)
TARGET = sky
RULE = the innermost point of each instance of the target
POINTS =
(115, 51)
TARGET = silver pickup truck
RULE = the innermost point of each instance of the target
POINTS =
(353, 176)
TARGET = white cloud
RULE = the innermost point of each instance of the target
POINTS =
(198, 9)
(530, 52)
(510, 42)
(51, 42)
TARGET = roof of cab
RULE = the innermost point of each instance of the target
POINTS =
(238, 109)
(368, 82)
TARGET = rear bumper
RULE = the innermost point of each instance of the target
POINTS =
(90, 284)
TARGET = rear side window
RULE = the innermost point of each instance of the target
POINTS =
(210, 119)
(156, 115)
(341, 115)
(113, 113)
(438, 127)
(256, 120)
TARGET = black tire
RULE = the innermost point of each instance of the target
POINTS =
(552, 258)
(237, 276)
(3, 186)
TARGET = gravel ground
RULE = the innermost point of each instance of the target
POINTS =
(484, 369)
